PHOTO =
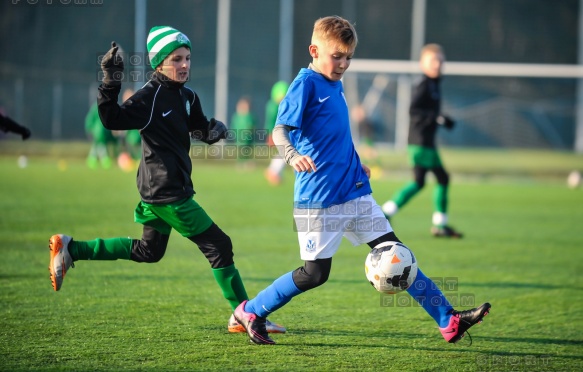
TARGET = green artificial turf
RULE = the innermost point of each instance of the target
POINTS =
(522, 251)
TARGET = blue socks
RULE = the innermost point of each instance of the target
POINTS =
(283, 289)
(279, 293)
(430, 297)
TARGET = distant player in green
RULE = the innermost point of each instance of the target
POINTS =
(103, 142)
(243, 123)
(425, 117)
(274, 172)
(168, 115)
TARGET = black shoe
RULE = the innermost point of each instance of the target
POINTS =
(253, 324)
(445, 231)
(461, 321)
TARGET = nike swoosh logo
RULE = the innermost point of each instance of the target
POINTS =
(453, 330)
(164, 114)
(323, 99)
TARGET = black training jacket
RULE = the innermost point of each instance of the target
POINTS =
(164, 112)
(423, 112)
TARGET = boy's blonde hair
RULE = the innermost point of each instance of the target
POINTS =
(335, 29)
(433, 48)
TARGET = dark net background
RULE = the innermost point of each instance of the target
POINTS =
(49, 69)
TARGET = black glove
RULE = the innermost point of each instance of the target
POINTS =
(447, 122)
(216, 132)
(112, 66)
(25, 133)
(9, 125)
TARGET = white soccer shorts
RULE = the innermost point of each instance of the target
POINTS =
(320, 231)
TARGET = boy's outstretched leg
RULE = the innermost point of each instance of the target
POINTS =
(64, 251)
(453, 324)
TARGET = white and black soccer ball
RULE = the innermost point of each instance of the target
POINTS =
(391, 267)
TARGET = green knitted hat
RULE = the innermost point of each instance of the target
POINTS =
(163, 40)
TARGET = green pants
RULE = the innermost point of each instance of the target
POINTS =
(185, 216)
(423, 160)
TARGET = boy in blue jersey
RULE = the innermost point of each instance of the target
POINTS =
(332, 196)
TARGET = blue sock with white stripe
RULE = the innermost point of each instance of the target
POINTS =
(279, 293)
(430, 297)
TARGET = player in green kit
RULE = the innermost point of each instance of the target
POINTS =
(425, 118)
(274, 173)
(168, 114)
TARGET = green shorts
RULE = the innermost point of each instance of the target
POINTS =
(426, 157)
(184, 216)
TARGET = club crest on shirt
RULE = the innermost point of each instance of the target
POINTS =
(188, 107)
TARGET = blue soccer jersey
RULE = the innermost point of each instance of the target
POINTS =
(316, 109)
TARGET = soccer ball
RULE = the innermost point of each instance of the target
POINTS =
(390, 267)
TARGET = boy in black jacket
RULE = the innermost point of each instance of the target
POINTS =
(425, 118)
(167, 114)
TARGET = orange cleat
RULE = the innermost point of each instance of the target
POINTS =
(61, 260)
